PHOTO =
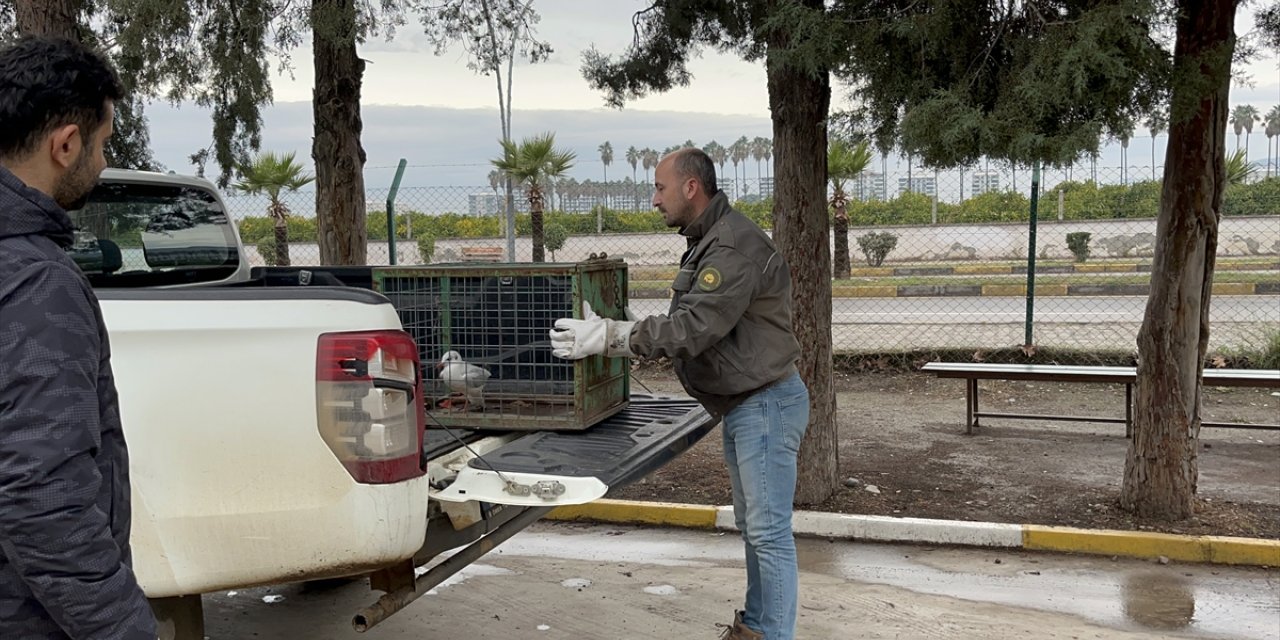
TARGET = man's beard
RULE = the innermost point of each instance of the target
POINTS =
(72, 191)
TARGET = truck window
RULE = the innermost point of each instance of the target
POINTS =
(134, 235)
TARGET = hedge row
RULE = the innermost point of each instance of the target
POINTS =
(1081, 201)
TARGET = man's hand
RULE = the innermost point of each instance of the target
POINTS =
(592, 336)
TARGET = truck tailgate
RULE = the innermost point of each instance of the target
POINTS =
(556, 467)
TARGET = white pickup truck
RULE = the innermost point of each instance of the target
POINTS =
(276, 429)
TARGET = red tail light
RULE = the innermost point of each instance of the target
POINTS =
(369, 404)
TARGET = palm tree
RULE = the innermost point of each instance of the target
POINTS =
(531, 163)
(1155, 124)
(766, 147)
(633, 159)
(844, 162)
(739, 152)
(649, 158)
(1239, 171)
(271, 174)
(1124, 137)
(718, 154)
(759, 151)
(1272, 129)
(1242, 119)
(606, 156)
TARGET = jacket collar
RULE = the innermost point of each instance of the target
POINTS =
(716, 209)
(25, 211)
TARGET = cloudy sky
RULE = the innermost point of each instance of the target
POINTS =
(443, 119)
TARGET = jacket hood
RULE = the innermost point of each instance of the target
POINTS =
(25, 211)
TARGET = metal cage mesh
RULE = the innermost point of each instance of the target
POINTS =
(482, 335)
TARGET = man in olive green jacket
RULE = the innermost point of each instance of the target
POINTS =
(729, 333)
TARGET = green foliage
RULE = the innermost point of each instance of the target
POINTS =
(907, 208)
(300, 229)
(426, 248)
(1239, 169)
(267, 249)
(1261, 198)
(270, 173)
(1078, 243)
(938, 77)
(876, 246)
(992, 206)
(556, 236)
(846, 160)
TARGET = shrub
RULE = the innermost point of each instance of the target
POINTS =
(1078, 243)
(554, 236)
(267, 249)
(876, 246)
(426, 247)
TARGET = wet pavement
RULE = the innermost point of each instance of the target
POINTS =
(561, 580)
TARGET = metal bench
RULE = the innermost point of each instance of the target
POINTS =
(973, 372)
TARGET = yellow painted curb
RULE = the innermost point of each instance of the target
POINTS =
(1091, 268)
(1233, 288)
(1051, 290)
(871, 272)
(1213, 549)
(1004, 289)
(980, 269)
(629, 512)
(865, 292)
(1122, 268)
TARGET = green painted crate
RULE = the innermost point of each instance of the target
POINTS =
(497, 317)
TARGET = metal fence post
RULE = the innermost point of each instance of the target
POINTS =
(391, 210)
(1031, 253)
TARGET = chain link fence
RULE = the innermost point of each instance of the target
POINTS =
(938, 260)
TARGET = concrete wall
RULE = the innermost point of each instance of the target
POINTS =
(1243, 236)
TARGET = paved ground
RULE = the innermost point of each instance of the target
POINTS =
(1112, 323)
(607, 582)
(904, 433)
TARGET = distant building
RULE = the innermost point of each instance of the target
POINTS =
(868, 185)
(928, 185)
(484, 204)
(984, 181)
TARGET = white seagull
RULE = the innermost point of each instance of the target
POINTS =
(464, 379)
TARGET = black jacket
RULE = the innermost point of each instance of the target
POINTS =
(64, 468)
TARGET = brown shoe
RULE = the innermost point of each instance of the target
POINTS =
(738, 631)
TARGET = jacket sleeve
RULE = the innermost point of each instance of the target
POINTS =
(720, 290)
(52, 531)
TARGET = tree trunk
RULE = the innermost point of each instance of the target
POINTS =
(799, 102)
(842, 269)
(60, 18)
(535, 226)
(282, 245)
(1161, 468)
(336, 150)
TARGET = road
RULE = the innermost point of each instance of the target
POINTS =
(997, 310)
(1087, 323)
(562, 581)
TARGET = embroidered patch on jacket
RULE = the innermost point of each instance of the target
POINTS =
(709, 279)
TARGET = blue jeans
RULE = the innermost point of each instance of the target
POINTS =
(761, 440)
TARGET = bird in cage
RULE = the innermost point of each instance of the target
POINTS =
(465, 380)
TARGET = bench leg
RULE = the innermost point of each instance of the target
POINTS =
(1128, 410)
(971, 405)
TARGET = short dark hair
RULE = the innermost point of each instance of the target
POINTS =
(692, 162)
(47, 83)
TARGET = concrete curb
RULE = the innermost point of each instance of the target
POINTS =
(1134, 544)
(1005, 290)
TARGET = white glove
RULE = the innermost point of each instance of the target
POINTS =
(576, 339)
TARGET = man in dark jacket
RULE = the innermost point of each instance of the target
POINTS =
(729, 333)
(64, 468)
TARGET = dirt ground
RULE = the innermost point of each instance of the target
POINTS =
(903, 452)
